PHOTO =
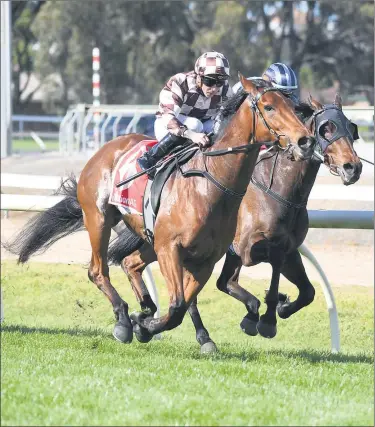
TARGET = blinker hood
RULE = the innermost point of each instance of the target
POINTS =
(331, 113)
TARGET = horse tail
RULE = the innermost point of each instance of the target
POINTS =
(44, 229)
(123, 245)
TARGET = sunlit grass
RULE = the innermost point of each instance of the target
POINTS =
(29, 145)
(61, 366)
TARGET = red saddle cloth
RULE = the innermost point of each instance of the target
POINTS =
(129, 197)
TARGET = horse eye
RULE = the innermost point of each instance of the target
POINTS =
(268, 107)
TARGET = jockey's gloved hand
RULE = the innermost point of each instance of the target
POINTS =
(198, 138)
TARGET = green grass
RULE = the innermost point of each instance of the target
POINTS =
(29, 145)
(60, 365)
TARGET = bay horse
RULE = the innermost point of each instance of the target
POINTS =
(272, 224)
(196, 221)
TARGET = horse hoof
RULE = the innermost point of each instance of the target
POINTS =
(209, 348)
(266, 329)
(249, 327)
(142, 334)
(282, 311)
(137, 316)
(123, 333)
(283, 298)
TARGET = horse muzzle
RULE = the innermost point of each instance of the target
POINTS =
(350, 172)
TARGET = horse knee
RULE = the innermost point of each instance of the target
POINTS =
(310, 295)
(176, 314)
(221, 284)
(92, 275)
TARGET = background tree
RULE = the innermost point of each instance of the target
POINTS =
(143, 43)
(23, 39)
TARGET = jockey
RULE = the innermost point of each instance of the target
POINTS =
(281, 77)
(188, 104)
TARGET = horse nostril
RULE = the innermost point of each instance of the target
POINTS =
(306, 141)
(349, 167)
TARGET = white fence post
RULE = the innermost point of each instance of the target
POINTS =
(330, 299)
(150, 283)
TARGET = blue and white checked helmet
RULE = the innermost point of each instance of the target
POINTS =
(282, 76)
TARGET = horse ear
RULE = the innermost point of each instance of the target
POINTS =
(338, 101)
(247, 85)
(316, 105)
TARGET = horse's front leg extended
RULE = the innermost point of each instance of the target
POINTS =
(267, 323)
(133, 265)
(171, 268)
(294, 271)
(202, 335)
(228, 283)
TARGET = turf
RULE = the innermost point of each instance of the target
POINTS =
(29, 145)
(61, 366)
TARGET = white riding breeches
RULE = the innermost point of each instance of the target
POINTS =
(191, 123)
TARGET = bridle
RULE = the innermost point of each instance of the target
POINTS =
(255, 108)
(252, 143)
(328, 113)
(332, 113)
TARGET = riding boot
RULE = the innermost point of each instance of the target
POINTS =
(158, 151)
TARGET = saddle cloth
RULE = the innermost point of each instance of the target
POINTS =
(129, 197)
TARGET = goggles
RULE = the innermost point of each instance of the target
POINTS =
(217, 80)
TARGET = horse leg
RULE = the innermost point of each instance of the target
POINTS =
(202, 335)
(184, 283)
(267, 322)
(228, 283)
(99, 227)
(294, 271)
(172, 270)
(133, 266)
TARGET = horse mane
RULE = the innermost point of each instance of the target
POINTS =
(230, 106)
(304, 111)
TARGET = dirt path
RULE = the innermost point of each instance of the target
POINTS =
(347, 256)
(344, 264)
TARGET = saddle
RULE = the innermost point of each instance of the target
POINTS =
(151, 199)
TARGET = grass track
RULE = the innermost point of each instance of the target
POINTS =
(29, 145)
(60, 365)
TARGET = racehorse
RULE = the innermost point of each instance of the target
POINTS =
(272, 224)
(197, 218)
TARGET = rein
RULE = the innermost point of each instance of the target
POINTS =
(235, 150)
(368, 161)
(230, 150)
(271, 193)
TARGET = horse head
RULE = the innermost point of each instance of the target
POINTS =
(278, 118)
(335, 135)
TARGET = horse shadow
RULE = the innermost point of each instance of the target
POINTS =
(90, 332)
(313, 356)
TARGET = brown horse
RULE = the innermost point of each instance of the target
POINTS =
(196, 220)
(272, 224)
